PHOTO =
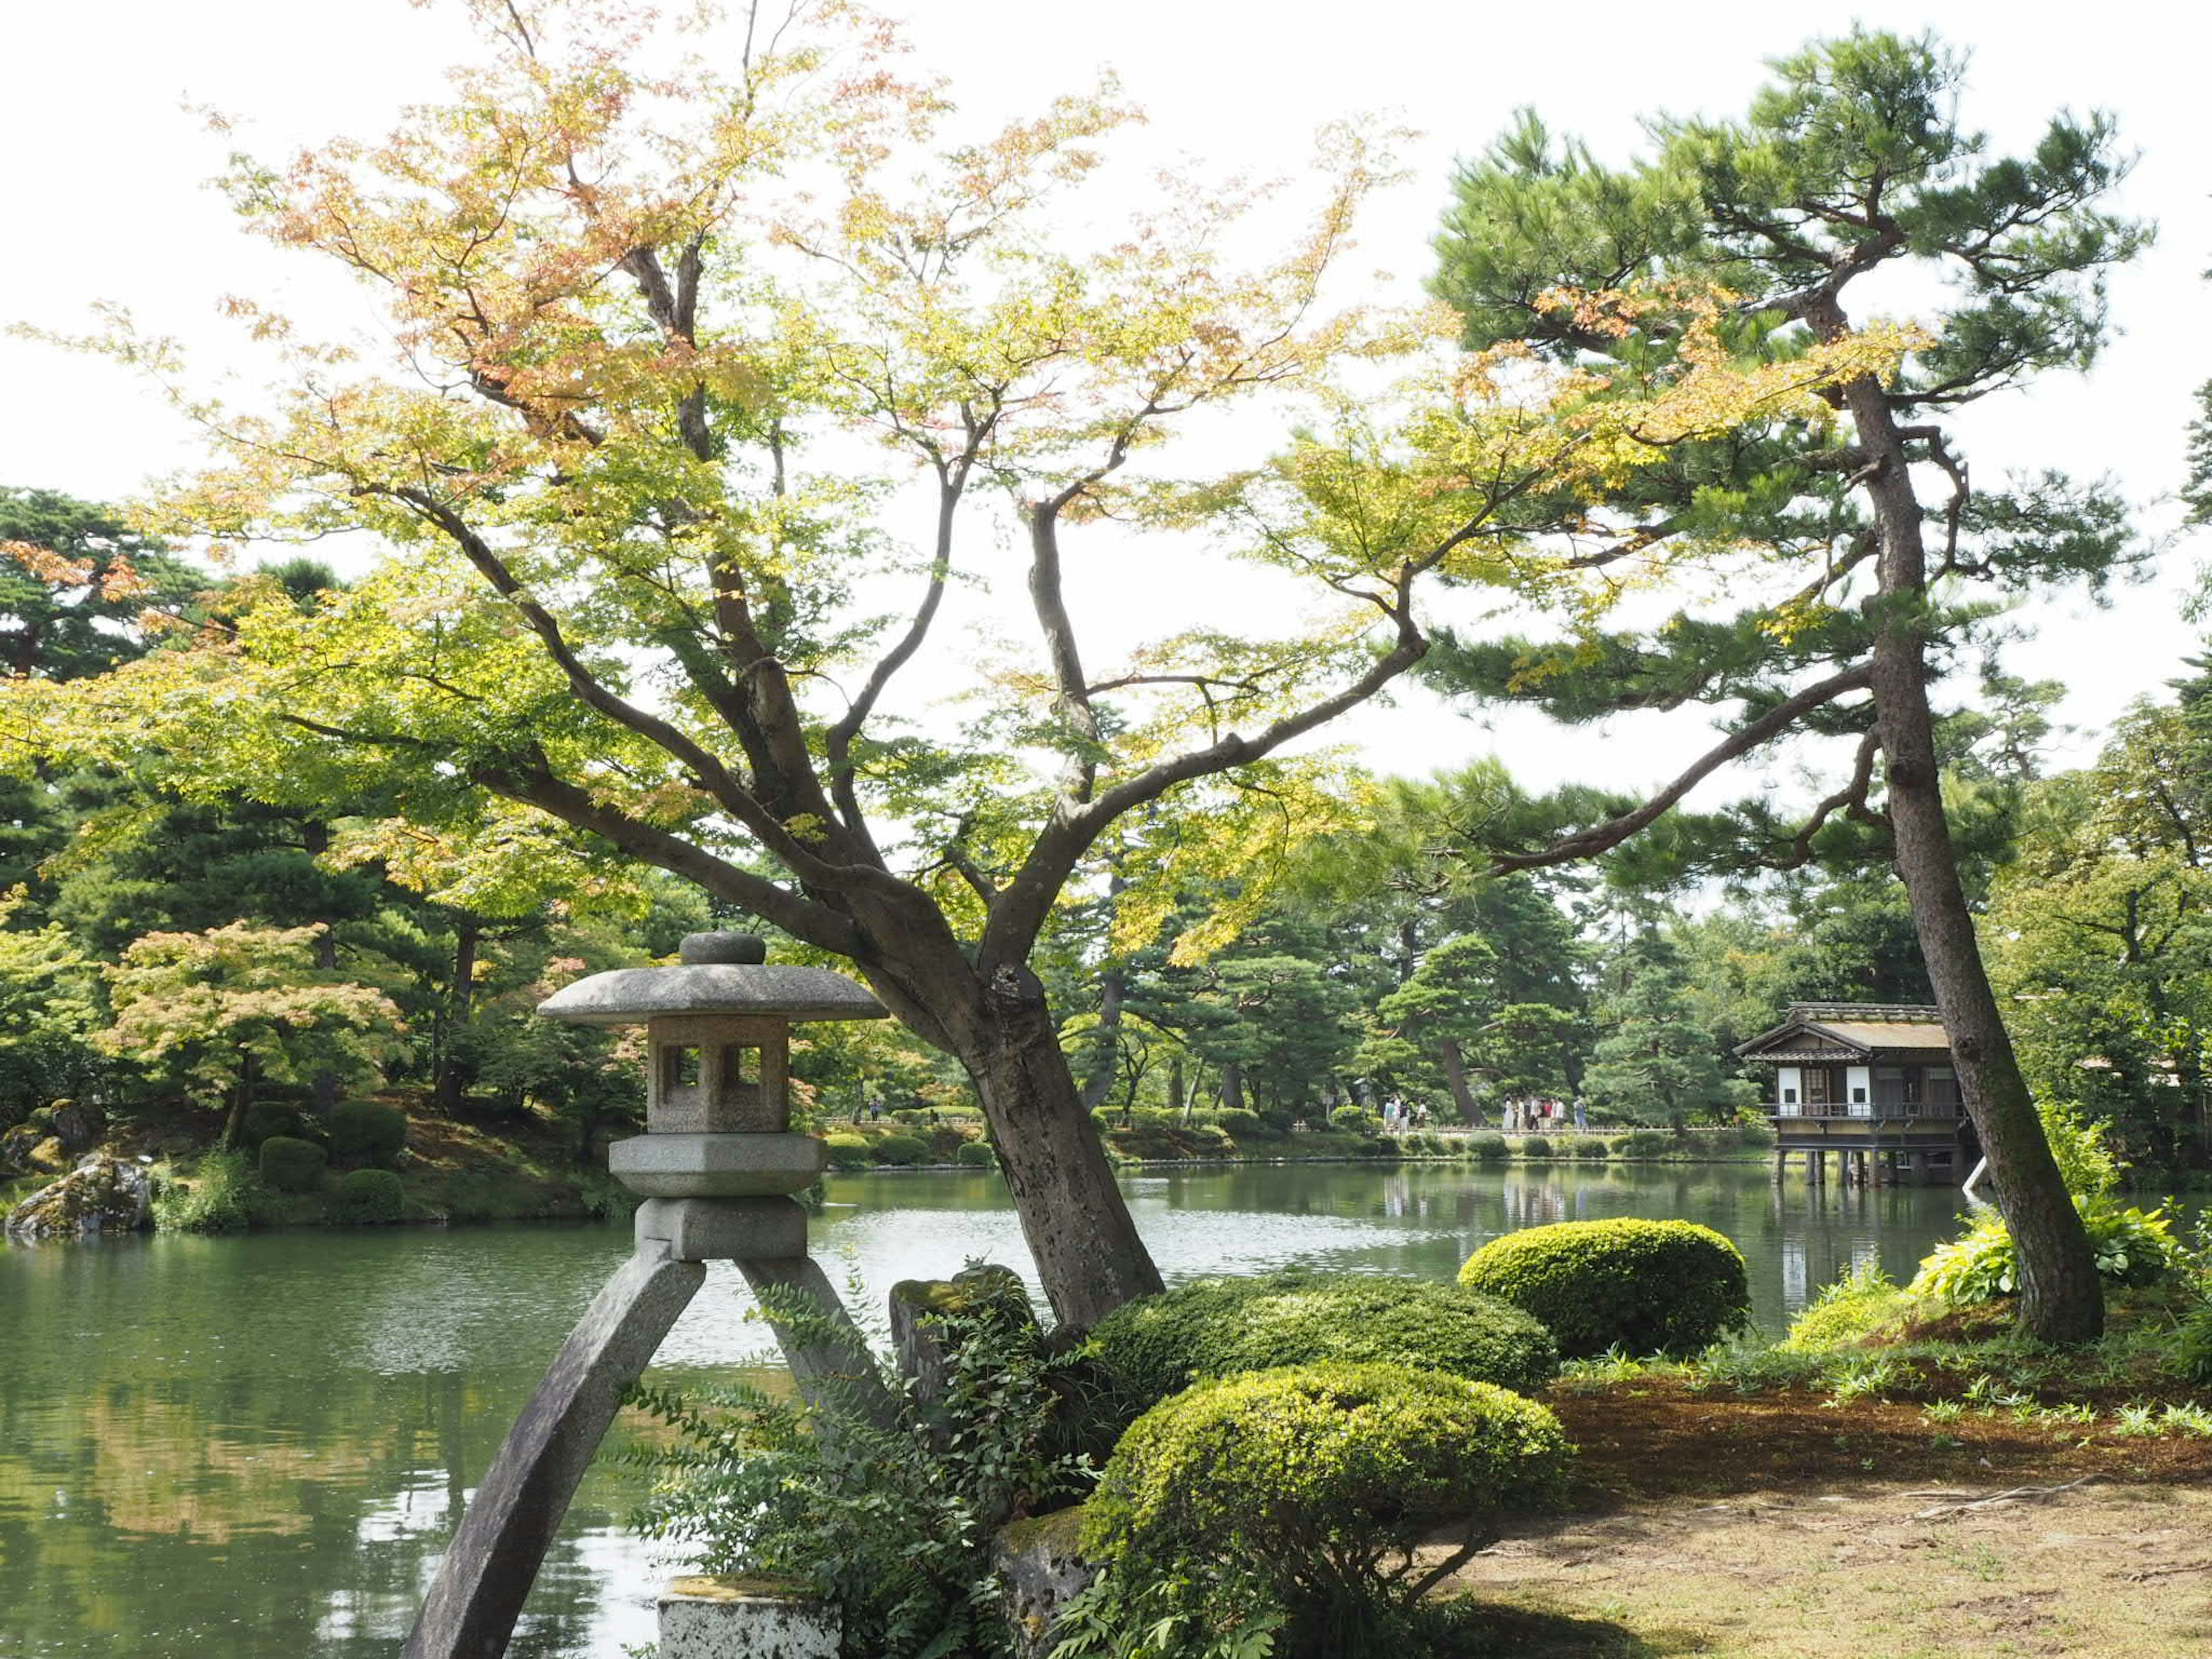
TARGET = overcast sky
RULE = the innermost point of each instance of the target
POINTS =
(105, 199)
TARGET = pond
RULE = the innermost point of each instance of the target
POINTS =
(255, 1447)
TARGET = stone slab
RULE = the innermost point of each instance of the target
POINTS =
(630, 996)
(707, 1618)
(723, 1229)
(717, 1165)
(1041, 1568)
(493, 1557)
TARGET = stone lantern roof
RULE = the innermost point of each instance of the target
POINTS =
(720, 973)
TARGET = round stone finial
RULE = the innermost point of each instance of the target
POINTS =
(716, 949)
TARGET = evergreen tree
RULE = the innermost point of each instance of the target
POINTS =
(1655, 1064)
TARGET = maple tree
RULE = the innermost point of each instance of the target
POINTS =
(679, 354)
(1839, 589)
(235, 1006)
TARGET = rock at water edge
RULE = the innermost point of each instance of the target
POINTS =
(100, 1195)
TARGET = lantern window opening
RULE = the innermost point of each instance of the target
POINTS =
(736, 1070)
(680, 1067)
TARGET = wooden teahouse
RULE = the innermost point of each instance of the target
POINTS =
(1872, 1083)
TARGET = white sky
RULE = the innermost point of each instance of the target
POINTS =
(104, 200)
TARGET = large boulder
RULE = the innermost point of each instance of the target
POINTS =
(16, 1146)
(100, 1195)
(79, 1125)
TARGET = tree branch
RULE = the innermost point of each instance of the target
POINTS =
(1603, 837)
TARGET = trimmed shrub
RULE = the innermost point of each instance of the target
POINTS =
(1236, 1122)
(1846, 1311)
(1323, 1480)
(846, 1152)
(1588, 1146)
(1275, 1122)
(901, 1150)
(265, 1118)
(1535, 1146)
(1644, 1143)
(1643, 1286)
(1357, 1121)
(1490, 1148)
(1755, 1134)
(2132, 1248)
(1157, 1344)
(976, 1156)
(367, 1130)
(366, 1196)
(292, 1166)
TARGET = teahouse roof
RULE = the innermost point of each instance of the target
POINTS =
(1847, 1030)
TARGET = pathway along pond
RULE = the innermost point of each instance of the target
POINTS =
(255, 1447)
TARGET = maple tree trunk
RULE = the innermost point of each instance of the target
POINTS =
(316, 837)
(241, 1099)
(1174, 1083)
(2061, 1300)
(1455, 1074)
(453, 1075)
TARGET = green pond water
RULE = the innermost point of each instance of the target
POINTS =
(255, 1447)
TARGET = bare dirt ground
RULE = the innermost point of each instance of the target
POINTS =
(1887, 1570)
(1780, 1528)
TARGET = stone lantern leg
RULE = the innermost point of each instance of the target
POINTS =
(717, 1167)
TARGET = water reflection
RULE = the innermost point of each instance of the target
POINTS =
(256, 1447)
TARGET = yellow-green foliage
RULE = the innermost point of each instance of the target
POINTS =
(847, 1152)
(901, 1149)
(1216, 1328)
(1645, 1287)
(1853, 1307)
(2133, 1247)
(1321, 1479)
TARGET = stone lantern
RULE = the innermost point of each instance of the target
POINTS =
(716, 1167)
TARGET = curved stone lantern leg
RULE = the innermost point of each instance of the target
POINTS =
(715, 1166)
(492, 1559)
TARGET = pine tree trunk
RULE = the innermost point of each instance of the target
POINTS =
(1174, 1083)
(1455, 1074)
(2061, 1300)
(1088, 1253)
(1232, 1086)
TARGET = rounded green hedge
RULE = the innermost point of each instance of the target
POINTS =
(1588, 1146)
(1490, 1148)
(368, 1195)
(1645, 1287)
(1535, 1146)
(1354, 1119)
(1157, 1344)
(1323, 1479)
(901, 1150)
(265, 1118)
(367, 1130)
(292, 1166)
(1237, 1122)
(975, 1155)
(846, 1152)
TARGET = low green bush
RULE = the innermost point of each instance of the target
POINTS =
(846, 1152)
(367, 1196)
(2193, 1347)
(901, 1150)
(1588, 1146)
(1755, 1134)
(1236, 1122)
(1852, 1308)
(366, 1131)
(292, 1166)
(265, 1118)
(976, 1156)
(1490, 1148)
(1535, 1146)
(1379, 1146)
(218, 1198)
(1353, 1119)
(1275, 1122)
(1644, 1286)
(1321, 1482)
(2133, 1247)
(1644, 1143)
(1157, 1344)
